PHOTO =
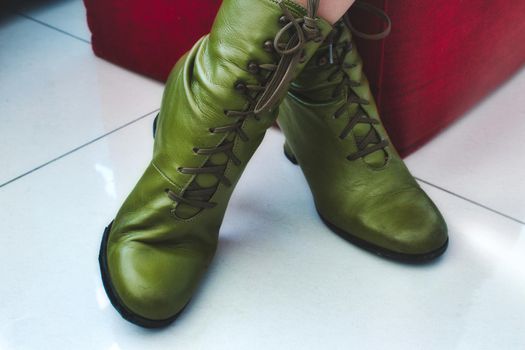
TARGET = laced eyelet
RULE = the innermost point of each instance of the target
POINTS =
(268, 46)
(253, 67)
(302, 57)
(211, 130)
(283, 20)
(322, 61)
(195, 150)
(240, 86)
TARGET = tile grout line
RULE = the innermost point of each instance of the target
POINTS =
(77, 148)
(51, 27)
(471, 201)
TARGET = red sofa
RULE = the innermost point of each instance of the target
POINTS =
(441, 58)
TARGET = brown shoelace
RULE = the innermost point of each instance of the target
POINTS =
(371, 142)
(261, 98)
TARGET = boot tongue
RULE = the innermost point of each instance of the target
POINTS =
(316, 88)
(376, 159)
(314, 83)
(319, 80)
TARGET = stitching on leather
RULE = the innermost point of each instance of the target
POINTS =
(294, 7)
(378, 169)
(397, 191)
(165, 176)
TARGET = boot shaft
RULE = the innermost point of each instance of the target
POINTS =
(334, 80)
(221, 96)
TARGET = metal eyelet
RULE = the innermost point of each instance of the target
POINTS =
(253, 67)
(302, 57)
(240, 86)
(283, 20)
(268, 46)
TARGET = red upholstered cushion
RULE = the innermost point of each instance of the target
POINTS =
(441, 58)
(148, 36)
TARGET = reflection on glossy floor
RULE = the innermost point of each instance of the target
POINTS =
(75, 135)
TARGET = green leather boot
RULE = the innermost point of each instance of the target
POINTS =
(218, 102)
(361, 187)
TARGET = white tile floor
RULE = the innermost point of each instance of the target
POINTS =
(75, 134)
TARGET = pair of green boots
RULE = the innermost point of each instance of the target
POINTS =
(262, 58)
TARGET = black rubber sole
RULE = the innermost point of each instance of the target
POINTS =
(378, 250)
(115, 300)
(290, 157)
(383, 252)
(155, 121)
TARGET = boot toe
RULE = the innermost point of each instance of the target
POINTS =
(154, 282)
(406, 222)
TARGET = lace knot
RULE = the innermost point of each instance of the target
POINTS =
(310, 27)
(304, 29)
